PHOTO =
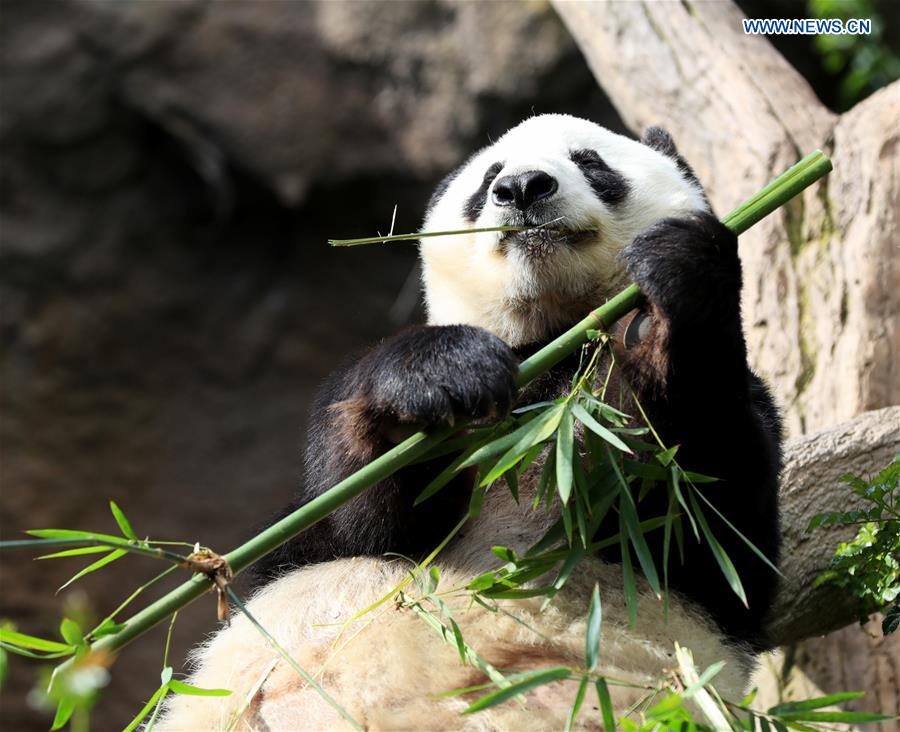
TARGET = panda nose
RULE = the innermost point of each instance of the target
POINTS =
(523, 189)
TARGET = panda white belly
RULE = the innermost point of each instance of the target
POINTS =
(386, 668)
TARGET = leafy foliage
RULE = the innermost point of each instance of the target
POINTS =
(860, 63)
(868, 566)
(681, 698)
(594, 465)
(167, 684)
(604, 473)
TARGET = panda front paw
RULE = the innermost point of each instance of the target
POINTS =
(688, 267)
(439, 375)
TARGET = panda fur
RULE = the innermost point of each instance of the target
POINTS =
(635, 211)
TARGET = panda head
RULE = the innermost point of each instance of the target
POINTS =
(588, 192)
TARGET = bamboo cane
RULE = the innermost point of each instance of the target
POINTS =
(790, 183)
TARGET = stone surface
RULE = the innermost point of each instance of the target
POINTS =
(811, 484)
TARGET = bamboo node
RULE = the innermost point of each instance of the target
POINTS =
(217, 569)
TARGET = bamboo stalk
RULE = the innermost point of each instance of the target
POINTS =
(776, 194)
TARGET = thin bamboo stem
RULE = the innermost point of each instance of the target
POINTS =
(774, 195)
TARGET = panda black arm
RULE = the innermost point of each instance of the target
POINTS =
(689, 370)
(422, 377)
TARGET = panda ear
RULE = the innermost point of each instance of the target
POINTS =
(656, 138)
(660, 140)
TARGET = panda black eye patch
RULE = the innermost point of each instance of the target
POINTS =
(475, 203)
(609, 185)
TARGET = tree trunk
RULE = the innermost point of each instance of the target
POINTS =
(821, 280)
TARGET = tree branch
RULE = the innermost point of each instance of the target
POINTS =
(811, 484)
(677, 63)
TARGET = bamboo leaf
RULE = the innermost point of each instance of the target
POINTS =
(572, 559)
(630, 523)
(645, 558)
(179, 687)
(600, 509)
(64, 711)
(75, 552)
(530, 456)
(460, 643)
(667, 541)
(504, 553)
(592, 635)
(598, 429)
(72, 534)
(845, 717)
(606, 707)
(540, 429)
(565, 447)
(512, 482)
(675, 476)
(29, 641)
(817, 703)
(722, 558)
(107, 627)
(528, 682)
(800, 727)
(664, 709)
(71, 632)
(19, 651)
(699, 478)
(516, 594)
(546, 483)
(500, 444)
(532, 407)
(743, 538)
(703, 679)
(567, 523)
(580, 516)
(122, 521)
(748, 699)
(628, 581)
(476, 501)
(579, 700)
(146, 709)
(99, 564)
(463, 690)
(665, 457)
(650, 471)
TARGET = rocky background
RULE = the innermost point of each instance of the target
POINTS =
(170, 173)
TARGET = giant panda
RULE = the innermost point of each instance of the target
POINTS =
(622, 210)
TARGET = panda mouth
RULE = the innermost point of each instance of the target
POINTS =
(541, 242)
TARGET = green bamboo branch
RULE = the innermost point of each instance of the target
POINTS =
(416, 235)
(94, 540)
(776, 194)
